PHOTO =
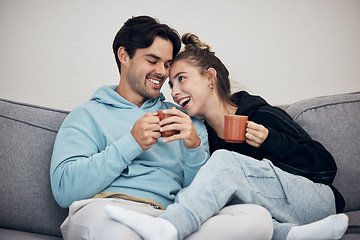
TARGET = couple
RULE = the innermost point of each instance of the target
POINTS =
(109, 159)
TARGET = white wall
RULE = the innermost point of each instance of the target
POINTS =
(57, 53)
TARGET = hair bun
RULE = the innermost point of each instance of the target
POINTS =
(192, 41)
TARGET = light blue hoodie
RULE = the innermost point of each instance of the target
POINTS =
(94, 152)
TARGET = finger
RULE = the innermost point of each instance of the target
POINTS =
(252, 137)
(151, 119)
(172, 126)
(171, 120)
(172, 138)
(254, 126)
(149, 114)
(154, 127)
(252, 143)
(176, 120)
(174, 111)
(156, 135)
(252, 131)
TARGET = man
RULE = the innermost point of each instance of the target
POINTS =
(109, 150)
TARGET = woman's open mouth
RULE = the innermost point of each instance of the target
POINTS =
(184, 102)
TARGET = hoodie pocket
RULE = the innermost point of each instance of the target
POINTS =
(264, 180)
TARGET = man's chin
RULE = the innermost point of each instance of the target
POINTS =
(154, 95)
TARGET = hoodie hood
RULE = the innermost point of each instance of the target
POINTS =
(247, 103)
(108, 95)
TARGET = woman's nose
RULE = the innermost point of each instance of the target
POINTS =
(175, 90)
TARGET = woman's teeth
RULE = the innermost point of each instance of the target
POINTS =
(183, 101)
(154, 81)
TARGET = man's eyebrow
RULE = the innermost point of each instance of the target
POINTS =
(153, 56)
(157, 57)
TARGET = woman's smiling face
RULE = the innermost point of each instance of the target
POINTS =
(190, 88)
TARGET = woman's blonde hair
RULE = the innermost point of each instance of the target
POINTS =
(200, 55)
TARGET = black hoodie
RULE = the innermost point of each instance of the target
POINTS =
(288, 146)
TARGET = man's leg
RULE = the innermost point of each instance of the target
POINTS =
(245, 221)
(239, 221)
(88, 220)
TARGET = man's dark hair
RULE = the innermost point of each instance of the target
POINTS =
(140, 32)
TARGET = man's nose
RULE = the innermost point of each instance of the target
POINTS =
(162, 70)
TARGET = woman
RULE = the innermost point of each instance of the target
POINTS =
(292, 180)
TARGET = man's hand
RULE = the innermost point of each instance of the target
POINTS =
(255, 134)
(146, 130)
(182, 123)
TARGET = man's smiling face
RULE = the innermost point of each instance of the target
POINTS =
(148, 69)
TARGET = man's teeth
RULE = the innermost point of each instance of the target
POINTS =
(183, 101)
(154, 81)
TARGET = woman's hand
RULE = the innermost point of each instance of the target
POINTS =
(181, 122)
(255, 134)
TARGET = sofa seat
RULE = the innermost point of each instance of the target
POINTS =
(20, 235)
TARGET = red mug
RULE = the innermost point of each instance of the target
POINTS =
(166, 133)
(235, 128)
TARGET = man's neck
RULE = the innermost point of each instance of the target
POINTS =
(130, 96)
(137, 100)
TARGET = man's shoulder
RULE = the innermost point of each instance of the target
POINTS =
(83, 111)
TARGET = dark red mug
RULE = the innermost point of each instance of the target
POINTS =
(235, 128)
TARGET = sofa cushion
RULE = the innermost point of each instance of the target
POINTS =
(18, 235)
(27, 137)
(334, 121)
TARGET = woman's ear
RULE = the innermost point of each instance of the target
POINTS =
(211, 76)
(122, 55)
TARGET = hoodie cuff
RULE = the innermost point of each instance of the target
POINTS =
(272, 143)
(129, 148)
(196, 156)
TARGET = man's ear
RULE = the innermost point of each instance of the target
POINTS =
(211, 76)
(122, 55)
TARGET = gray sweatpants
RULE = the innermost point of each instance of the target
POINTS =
(230, 178)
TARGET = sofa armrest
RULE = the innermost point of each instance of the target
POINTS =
(334, 121)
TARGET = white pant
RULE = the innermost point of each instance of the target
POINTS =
(88, 220)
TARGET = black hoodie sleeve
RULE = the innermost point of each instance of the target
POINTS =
(290, 148)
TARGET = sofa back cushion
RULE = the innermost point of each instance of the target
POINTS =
(334, 121)
(27, 135)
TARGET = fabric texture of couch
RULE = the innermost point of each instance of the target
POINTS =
(27, 134)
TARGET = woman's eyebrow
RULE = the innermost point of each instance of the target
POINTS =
(176, 75)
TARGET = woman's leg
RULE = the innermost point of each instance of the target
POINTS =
(331, 227)
(291, 200)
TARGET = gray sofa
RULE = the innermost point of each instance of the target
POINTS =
(27, 133)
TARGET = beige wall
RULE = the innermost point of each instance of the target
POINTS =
(57, 53)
